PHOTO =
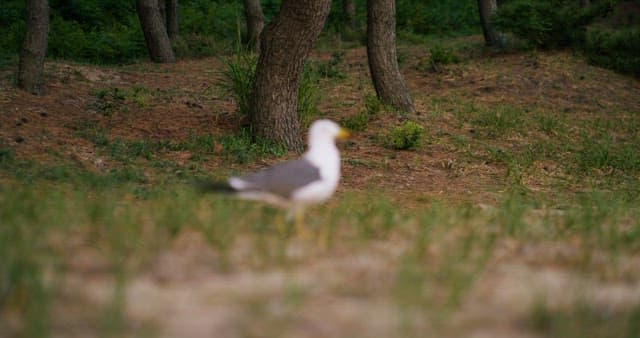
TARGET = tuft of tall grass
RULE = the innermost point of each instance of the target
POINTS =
(237, 79)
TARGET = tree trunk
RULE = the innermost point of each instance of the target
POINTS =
(381, 52)
(285, 45)
(255, 22)
(155, 33)
(34, 47)
(492, 37)
(162, 7)
(172, 20)
(349, 9)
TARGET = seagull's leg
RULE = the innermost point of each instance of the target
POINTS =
(284, 223)
(298, 219)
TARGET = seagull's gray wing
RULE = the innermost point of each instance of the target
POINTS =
(283, 179)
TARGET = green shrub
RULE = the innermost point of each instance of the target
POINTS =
(547, 24)
(408, 135)
(615, 49)
(118, 43)
(437, 16)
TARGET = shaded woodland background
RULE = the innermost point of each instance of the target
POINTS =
(109, 32)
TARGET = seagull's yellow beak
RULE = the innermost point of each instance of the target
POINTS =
(343, 134)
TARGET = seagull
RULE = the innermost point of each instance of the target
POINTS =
(295, 185)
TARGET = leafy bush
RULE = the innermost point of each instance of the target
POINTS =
(11, 28)
(437, 16)
(117, 43)
(408, 135)
(618, 50)
(547, 24)
(222, 19)
(108, 32)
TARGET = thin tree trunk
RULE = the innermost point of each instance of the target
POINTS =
(172, 20)
(255, 22)
(381, 52)
(155, 32)
(285, 46)
(492, 37)
(34, 47)
(349, 9)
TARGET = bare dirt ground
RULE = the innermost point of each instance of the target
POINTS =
(342, 292)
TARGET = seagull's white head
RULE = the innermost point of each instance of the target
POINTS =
(326, 132)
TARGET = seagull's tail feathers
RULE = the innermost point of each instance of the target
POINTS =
(206, 186)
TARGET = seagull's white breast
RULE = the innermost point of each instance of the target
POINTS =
(326, 157)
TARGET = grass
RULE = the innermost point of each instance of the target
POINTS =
(582, 320)
(562, 201)
(444, 248)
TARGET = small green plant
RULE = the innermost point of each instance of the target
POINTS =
(329, 69)
(356, 122)
(441, 55)
(373, 105)
(550, 124)
(113, 100)
(408, 135)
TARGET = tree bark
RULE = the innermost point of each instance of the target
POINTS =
(349, 10)
(155, 32)
(381, 52)
(492, 37)
(172, 20)
(162, 6)
(255, 22)
(285, 45)
(34, 47)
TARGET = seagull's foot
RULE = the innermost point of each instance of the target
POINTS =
(301, 229)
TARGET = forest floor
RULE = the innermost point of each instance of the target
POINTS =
(517, 217)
